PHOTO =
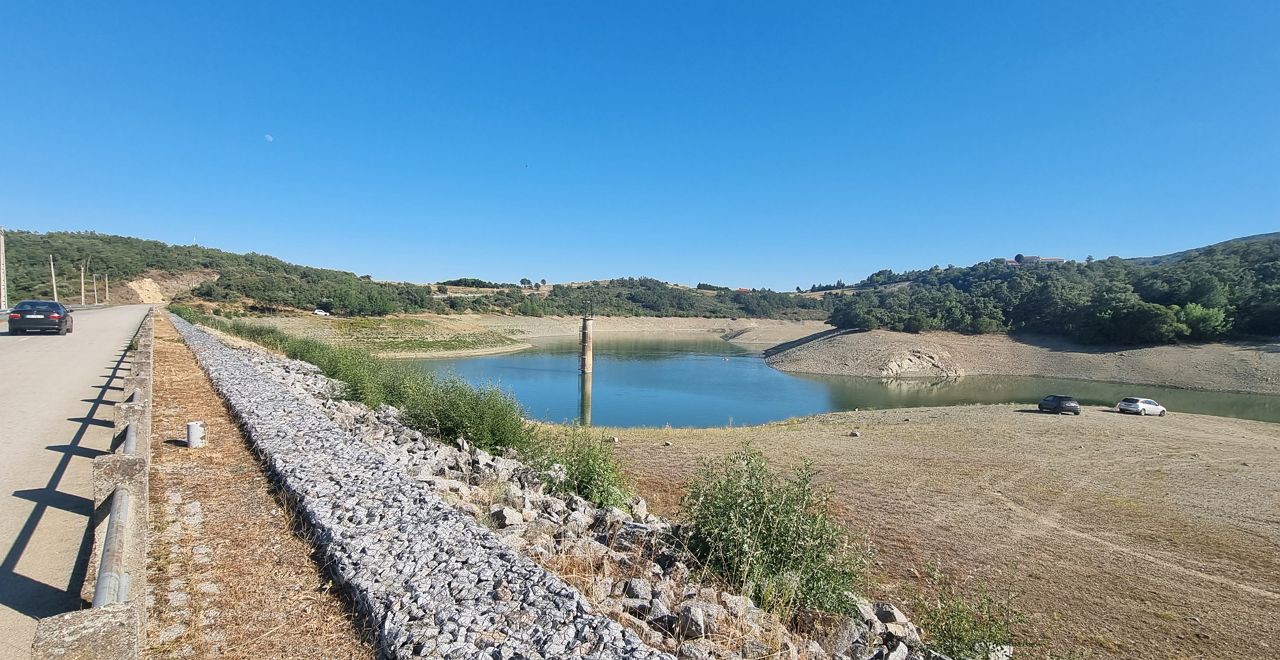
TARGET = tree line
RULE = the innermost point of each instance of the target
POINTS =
(1225, 290)
(265, 283)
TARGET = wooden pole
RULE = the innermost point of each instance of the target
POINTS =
(82, 283)
(4, 276)
(54, 278)
(106, 286)
(95, 289)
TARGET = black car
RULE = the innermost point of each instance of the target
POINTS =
(38, 316)
(1060, 403)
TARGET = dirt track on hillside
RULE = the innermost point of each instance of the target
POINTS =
(1130, 537)
(1231, 367)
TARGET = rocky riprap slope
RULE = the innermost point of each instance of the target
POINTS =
(434, 540)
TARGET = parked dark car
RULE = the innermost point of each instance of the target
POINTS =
(40, 316)
(1061, 404)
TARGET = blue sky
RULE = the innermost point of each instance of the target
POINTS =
(747, 144)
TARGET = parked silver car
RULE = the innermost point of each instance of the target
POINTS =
(1139, 406)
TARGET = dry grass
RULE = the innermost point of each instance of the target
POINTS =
(1124, 536)
(251, 587)
(394, 336)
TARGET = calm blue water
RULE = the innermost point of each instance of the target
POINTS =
(704, 381)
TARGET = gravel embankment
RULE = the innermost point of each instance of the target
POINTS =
(1227, 367)
(433, 580)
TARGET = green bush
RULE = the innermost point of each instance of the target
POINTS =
(447, 407)
(771, 537)
(589, 467)
(964, 627)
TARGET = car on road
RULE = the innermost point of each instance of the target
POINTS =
(40, 316)
(1060, 404)
(1138, 406)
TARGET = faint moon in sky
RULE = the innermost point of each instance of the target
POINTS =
(269, 137)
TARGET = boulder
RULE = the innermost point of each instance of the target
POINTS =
(695, 650)
(638, 588)
(889, 613)
(637, 607)
(505, 516)
(639, 508)
(692, 621)
(904, 631)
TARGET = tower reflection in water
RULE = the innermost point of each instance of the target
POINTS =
(584, 398)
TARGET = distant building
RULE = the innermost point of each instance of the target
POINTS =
(1027, 259)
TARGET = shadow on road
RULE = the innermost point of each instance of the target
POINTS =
(32, 597)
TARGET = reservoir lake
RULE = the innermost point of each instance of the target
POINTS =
(703, 381)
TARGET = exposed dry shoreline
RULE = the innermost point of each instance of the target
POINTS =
(1129, 537)
(766, 332)
(1227, 367)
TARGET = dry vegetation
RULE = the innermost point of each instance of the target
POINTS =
(1122, 536)
(229, 574)
(396, 336)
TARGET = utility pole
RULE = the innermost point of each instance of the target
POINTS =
(106, 287)
(54, 278)
(82, 283)
(4, 276)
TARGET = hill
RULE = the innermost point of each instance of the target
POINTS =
(266, 283)
(1178, 256)
(1223, 290)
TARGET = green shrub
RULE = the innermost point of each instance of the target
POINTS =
(964, 627)
(589, 467)
(771, 537)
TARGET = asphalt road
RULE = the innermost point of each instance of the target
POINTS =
(56, 394)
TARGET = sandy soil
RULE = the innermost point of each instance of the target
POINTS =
(154, 286)
(1233, 367)
(1133, 537)
(231, 577)
(744, 331)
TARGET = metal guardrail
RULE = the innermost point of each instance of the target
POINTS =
(130, 445)
(113, 580)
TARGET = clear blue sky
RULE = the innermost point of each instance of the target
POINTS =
(746, 144)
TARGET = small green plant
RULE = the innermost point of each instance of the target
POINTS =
(964, 626)
(771, 537)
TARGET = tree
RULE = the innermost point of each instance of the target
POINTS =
(1204, 323)
(525, 282)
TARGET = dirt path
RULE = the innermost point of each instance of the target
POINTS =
(1227, 367)
(230, 577)
(1124, 536)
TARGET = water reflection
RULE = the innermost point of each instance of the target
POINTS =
(584, 399)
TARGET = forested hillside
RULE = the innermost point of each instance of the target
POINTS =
(266, 282)
(1228, 289)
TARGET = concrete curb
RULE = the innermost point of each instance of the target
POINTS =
(115, 626)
